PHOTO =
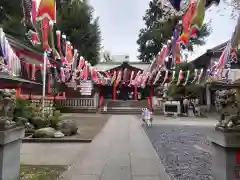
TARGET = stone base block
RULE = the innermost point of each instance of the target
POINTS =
(226, 154)
(10, 144)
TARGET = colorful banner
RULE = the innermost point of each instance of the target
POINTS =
(114, 77)
(187, 78)
(68, 53)
(47, 9)
(81, 63)
(198, 17)
(162, 55)
(45, 33)
(165, 78)
(157, 77)
(180, 77)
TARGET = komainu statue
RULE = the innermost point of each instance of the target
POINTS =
(7, 105)
(228, 106)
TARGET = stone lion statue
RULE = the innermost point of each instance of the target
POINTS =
(7, 105)
(228, 106)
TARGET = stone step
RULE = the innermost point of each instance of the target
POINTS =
(129, 103)
(158, 111)
(121, 110)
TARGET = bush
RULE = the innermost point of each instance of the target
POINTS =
(23, 109)
(54, 119)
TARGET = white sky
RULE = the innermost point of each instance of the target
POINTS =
(120, 22)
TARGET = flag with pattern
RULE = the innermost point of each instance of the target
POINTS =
(47, 9)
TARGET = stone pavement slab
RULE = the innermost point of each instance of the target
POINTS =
(184, 121)
(50, 153)
(121, 151)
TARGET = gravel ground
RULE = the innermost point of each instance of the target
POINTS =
(184, 151)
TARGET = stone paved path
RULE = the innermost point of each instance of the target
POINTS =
(54, 154)
(121, 151)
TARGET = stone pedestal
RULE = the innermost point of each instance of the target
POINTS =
(226, 154)
(10, 143)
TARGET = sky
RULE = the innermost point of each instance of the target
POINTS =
(121, 20)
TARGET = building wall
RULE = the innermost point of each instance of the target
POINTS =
(233, 75)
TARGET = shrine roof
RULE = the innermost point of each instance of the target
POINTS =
(218, 48)
(105, 66)
(13, 79)
(204, 59)
(14, 42)
(31, 51)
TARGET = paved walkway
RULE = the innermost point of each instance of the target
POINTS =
(185, 121)
(54, 154)
(121, 151)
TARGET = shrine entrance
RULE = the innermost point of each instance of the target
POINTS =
(125, 92)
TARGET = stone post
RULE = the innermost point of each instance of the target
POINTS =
(226, 154)
(10, 143)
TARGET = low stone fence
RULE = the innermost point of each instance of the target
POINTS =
(77, 104)
(67, 104)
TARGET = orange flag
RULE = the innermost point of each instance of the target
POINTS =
(47, 8)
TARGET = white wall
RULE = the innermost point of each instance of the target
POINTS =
(234, 74)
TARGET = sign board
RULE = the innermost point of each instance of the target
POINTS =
(71, 84)
(172, 107)
(86, 87)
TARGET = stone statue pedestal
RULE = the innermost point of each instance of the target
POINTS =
(10, 144)
(226, 154)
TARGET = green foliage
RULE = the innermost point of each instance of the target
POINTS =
(158, 29)
(54, 119)
(23, 109)
(76, 20)
(30, 115)
(40, 172)
(11, 18)
(194, 90)
(175, 91)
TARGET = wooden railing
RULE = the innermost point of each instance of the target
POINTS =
(75, 103)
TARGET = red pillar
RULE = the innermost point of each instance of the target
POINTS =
(151, 92)
(99, 97)
(114, 92)
(150, 97)
(18, 92)
(135, 92)
(49, 90)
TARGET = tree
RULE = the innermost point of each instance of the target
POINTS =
(76, 20)
(11, 18)
(159, 25)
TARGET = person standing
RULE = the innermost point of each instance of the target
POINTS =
(197, 106)
(192, 104)
(185, 105)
